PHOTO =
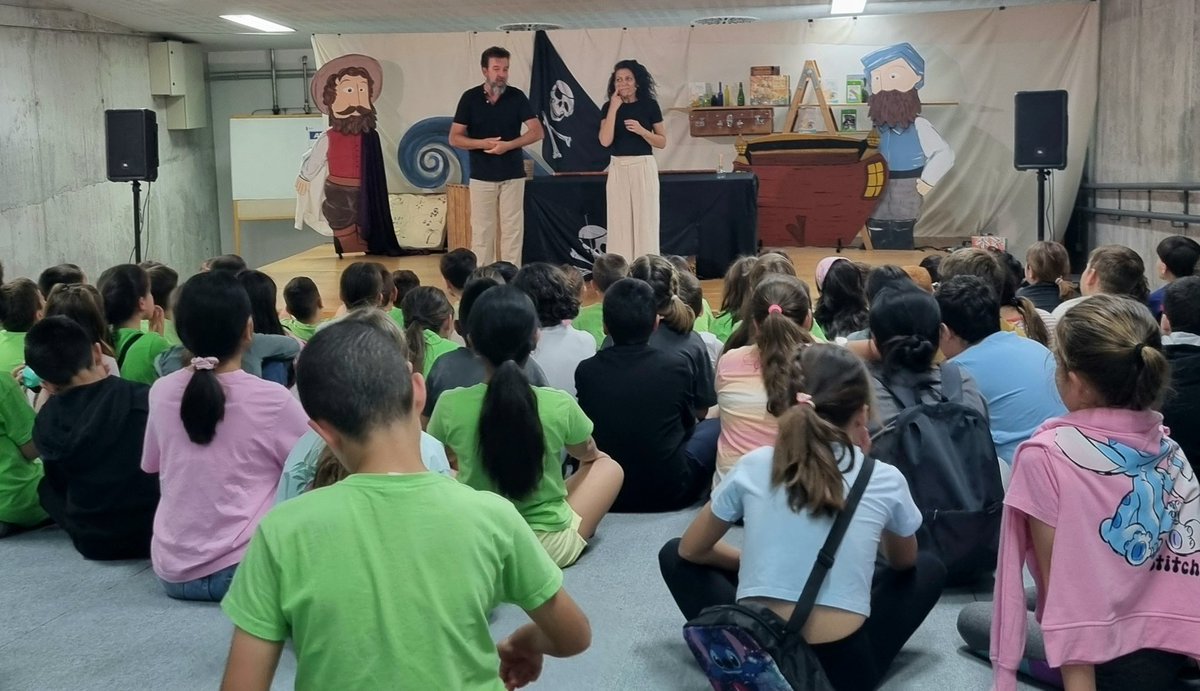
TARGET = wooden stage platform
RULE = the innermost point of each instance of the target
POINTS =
(324, 268)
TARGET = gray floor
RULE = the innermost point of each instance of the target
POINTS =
(66, 623)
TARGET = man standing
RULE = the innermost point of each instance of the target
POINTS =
(488, 123)
(917, 156)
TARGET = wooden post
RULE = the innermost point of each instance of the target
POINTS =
(458, 216)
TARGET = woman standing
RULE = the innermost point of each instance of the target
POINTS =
(632, 125)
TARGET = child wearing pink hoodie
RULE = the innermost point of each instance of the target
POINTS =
(1104, 509)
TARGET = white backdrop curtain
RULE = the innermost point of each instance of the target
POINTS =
(978, 59)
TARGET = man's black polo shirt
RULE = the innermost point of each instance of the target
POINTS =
(485, 120)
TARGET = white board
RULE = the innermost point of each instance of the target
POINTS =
(265, 153)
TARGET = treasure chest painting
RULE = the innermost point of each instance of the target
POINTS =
(814, 190)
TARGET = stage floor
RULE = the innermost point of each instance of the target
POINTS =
(324, 268)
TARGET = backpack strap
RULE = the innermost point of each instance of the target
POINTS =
(825, 558)
(125, 348)
(951, 382)
(906, 396)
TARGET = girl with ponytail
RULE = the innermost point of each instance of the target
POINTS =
(906, 327)
(507, 436)
(752, 386)
(788, 497)
(675, 332)
(1103, 488)
(428, 323)
(217, 437)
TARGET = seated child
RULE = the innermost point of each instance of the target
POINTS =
(432, 550)
(271, 346)
(692, 294)
(1181, 345)
(841, 308)
(90, 436)
(67, 274)
(82, 304)
(788, 496)
(163, 281)
(1111, 270)
(456, 267)
(1177, 258)
(360, 285)
(508, 270)
(608, 269)
(1046, 269)
(127, 301)
(1101, 510)
(22, 307)
(303, 302)
(300, 469)
(217, 436)
(461, 367)
(507, 437)
(428, 323)
(704, 314)
(737, 286)
(641, 402)
(20, 471)
(560, 346)
(752, 385)
(404, 281)
(773, 263)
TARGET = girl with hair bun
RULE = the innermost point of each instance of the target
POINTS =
(675, 332)
(1106, 490)
(787, 496)
(906, 327)
(752, 380)
(508, 436)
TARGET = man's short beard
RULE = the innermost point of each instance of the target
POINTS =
(496, 89)
(898, 109)
(355, 124)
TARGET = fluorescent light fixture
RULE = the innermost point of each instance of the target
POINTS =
(847, 6)
(257, 23)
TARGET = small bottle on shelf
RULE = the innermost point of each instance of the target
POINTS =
(718, 99)
(728, 98)
(741, 99)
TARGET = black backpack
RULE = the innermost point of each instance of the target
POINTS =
(749, 648)
(946, 453)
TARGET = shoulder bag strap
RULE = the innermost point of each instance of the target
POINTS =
(825, 558)
(125, 348)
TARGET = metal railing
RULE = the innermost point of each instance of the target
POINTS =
(1176, 220)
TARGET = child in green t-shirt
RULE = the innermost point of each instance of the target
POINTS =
(737, 287)
(342, 572)
(163, 281)
(21, 306)
(20, 472)
(404, 281)
(127, 301)
(428, 323)
(607, 270)
(507, 436)
(303, 302)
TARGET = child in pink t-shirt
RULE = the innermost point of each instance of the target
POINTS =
(218, 438)
(1105, 510)
(751, 385)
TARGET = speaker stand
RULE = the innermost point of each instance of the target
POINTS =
(137, 222)
(1042, 175)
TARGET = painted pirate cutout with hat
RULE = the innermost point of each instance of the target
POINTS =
(917, 157)
(343, 174)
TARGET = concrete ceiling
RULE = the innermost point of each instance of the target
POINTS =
(199, 20)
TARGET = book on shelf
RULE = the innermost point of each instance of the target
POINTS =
(764, 71)
(809, 119)
(856, 88)
(849, 120)
(770, 90)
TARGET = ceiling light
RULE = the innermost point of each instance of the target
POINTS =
(528, 26)
(847, 6)
(257, 23)
(725, 20)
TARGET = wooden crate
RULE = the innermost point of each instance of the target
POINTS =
(458, 216)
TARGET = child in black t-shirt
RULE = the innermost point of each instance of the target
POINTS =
(640, 399)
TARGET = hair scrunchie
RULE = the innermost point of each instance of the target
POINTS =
(204, 363)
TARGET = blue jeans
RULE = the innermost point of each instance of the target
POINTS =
(209, 588)
(701, 447)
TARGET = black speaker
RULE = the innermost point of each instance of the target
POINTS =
(131, 143)
(1041, 132)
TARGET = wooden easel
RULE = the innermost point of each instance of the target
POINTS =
(810, 82)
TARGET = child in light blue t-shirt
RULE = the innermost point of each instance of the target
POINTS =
(861, 620)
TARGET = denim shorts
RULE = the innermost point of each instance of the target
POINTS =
(210, 588)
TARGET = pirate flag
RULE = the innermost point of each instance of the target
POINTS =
(572, 121)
